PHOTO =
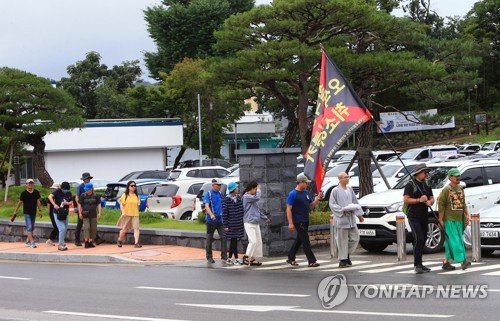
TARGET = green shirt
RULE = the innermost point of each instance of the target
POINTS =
(452, 203)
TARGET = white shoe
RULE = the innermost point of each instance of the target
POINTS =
(229, 261)
(237, 262)
(33, 245)
(49, 242)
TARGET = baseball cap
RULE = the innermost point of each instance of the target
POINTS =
(303, 178)
(88, 186)
(217, 181)
(454, 172)
(29, 180)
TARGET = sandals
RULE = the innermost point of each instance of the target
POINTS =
(255, 263)
(292, 263)
(245, 260)
(314, 264)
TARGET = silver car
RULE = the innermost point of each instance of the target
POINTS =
(489, 222)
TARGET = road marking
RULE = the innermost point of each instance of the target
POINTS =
(472, 269)
(109, 316)
(355, 267)
(14, 278)
(287, 266)
(225, 292)
(492, 273)
(397, 267)
(263, 308)
(321, 267)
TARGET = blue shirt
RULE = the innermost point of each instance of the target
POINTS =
(215, 206)
(80, 189)
(300, 202)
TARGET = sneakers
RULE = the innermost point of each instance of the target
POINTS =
(343, 264)
(49, 242)
(229, 261)
(237, 262)
(425, 269)
(27, 243)
(78, 243)
(62, 248)
(418, 269)
(137, 245)
(33, 246)
(447, 267)
(210, 260)
(465, 265)
(89, 244)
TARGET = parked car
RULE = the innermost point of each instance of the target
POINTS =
(489, 222)
(425, 153)
(393, 173)
(99, 184)
(150, 174)
(205, 162)
(481, 178)
(468, 149)
(174, 200)
(114, 191)
(491, 146)
(331, 177)
(232, 177)
(198, 172)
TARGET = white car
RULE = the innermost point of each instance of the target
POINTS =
(174, 200)
(197, 172)
(332, 180)
(489, 222)
(481, 178)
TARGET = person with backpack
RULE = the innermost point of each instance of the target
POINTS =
(212, 202)
(453, 217)
(61, 199)
(417, 198)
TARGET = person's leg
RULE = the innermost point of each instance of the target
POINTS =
(306, 245)
(210, 238)
(54, 234)
(223, 242)
(456, 248)
(232, 243)
(341, 235)
(29, 229)
(353, 236)
(258, 242)
(292, 253)
(78, 231)
(86, 231)
(252, 239)
(93, 230)
(61, 227)
(418, 239)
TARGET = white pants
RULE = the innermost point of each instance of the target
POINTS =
(347, 240)
(254, 248)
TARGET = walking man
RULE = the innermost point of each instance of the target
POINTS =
(298, 205)
(30, 199)
(345, 208)
(417, 199)
(212, 202)
(453, 216)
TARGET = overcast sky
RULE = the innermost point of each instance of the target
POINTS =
(44, 37)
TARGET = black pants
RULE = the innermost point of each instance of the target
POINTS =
(54, 235)
(78, 229)
(302, 239)
(211, 228)
(419, 229)
(233, 247)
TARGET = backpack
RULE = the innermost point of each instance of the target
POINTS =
(406, 207)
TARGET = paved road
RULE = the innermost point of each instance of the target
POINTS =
(49, 291)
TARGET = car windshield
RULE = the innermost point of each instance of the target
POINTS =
(388, 170)
(174, 174)
(165, 190)
(488, 146)
(114, 191)
(334, 172)
(235, 173)
(438, 178)
(410, 154)
(129, 177)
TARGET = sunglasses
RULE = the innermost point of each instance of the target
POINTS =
(132, 185)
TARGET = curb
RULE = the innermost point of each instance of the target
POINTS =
(68, 258)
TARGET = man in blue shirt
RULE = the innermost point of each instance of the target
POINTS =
(212, 202)
(298, 205)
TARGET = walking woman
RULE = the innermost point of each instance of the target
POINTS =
(55, 231)
(232, 218)
(61, 199)
(129, 205)
(251, 219)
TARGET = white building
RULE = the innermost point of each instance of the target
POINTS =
(109, 149)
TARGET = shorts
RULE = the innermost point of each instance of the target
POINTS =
(128, 222)
(30, 222)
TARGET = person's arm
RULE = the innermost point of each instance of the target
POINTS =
(39, 205)
(207, 200)
(80, 209)
(18, 206)
(121, 201)
(334, 206)
(291, 227)
(99, 209)
(318, 198)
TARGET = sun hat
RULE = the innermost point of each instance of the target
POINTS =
(420, 167)
(85, 176)
(55, 186)
(303, 178)
(454, 172)
(88, 186)
(232, 186)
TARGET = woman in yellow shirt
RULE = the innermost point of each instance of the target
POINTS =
(129, 205)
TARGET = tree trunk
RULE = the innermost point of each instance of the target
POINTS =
(39, 161)
(364, 162)
(302, 113)
(290, 133)
(179, 156)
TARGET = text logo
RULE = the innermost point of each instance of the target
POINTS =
(332, 291)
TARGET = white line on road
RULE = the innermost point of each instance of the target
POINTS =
(225, 292)
(321, 267)
(14, 278)
(263, 308)
(109, 316)
(357, 267)
(398, 267)
(473, 268)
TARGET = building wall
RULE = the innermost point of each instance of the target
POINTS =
(104, 164)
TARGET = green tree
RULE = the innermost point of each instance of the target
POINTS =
(30, 107)
(275, 52)
(182, 86)
(86, 76)
(184, 29)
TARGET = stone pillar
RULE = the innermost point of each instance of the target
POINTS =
(276, 171)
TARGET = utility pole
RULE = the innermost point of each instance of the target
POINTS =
(211, 135)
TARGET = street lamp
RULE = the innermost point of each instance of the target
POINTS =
(470, 133)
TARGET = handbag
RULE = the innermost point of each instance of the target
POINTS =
(62, 213)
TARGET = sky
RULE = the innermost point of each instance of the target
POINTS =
(44, 37)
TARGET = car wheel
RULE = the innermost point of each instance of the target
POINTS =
(187, 216)
(435, 237)
(373, 247)
(487, 252)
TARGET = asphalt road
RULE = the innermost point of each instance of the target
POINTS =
(199, 293)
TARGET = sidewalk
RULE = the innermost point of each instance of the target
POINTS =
(103, 253)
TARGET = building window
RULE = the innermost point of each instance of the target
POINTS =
(252, 145)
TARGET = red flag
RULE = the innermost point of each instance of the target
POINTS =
(338, 114)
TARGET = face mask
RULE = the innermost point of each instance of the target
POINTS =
(66, 190)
